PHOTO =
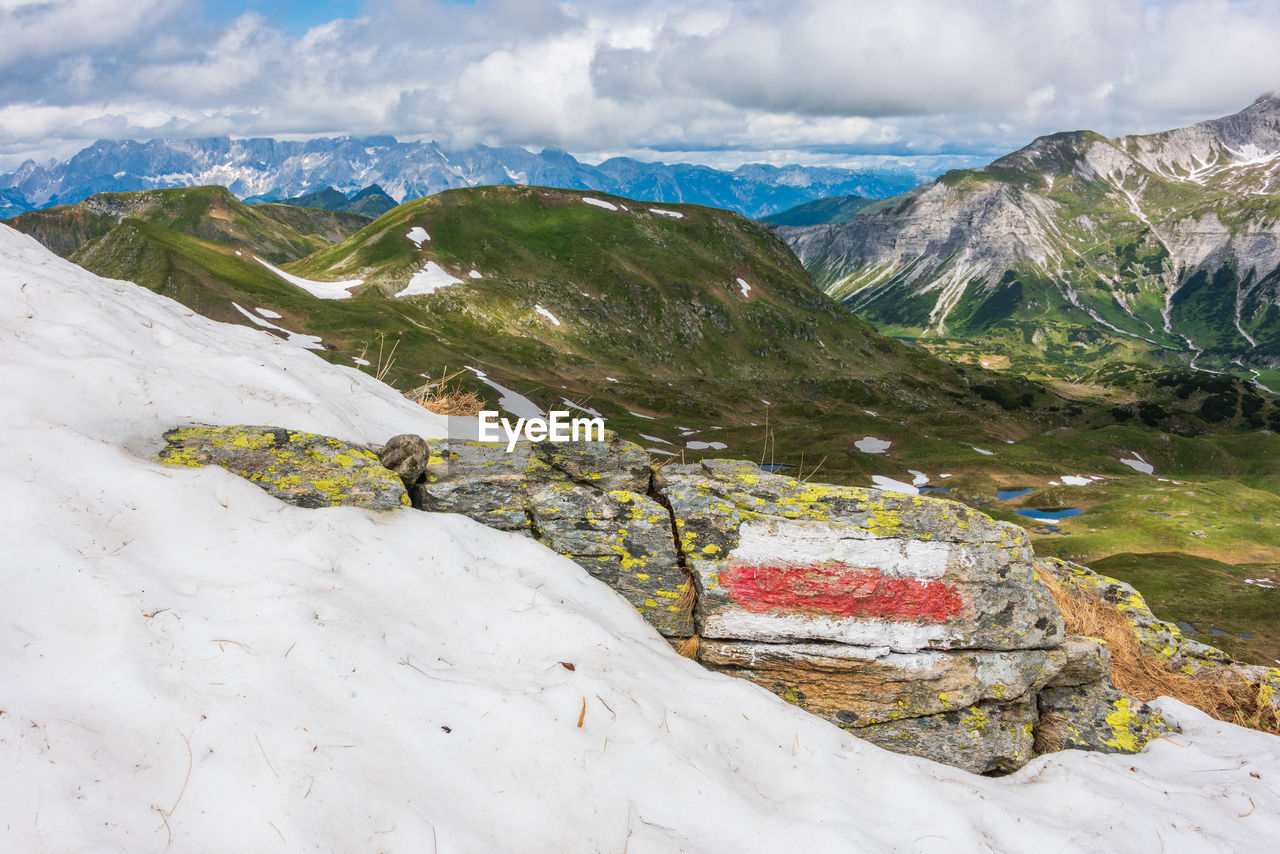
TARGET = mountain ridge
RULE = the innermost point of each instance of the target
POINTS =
(277, 169)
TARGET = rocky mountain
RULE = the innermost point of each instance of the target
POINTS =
(272, 170)
(1080, 250)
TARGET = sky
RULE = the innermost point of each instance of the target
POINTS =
(723, 82)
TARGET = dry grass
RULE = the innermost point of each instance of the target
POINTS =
(688, 599)
(1137, 672)
(440, 397)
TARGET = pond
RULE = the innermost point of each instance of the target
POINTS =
(1051, 515)
(1010, 494)
(772, 467)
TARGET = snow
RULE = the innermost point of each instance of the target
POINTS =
(514, 402)
(944, 476)
(475, 274)
(1137, 463)
(321, 290)
(547, 314)
(308, 342)
(645, 417)
(428, 280)
(660, 451)
(982, 451)
(918, 478)
(600, 203)
(418, 234)
(705, 446)
(657, 439)
(1077, 480)
(580, 407)
(665, 212)
(872, 445)
(266, 312)
(360, 361)
(888, 484)
(611, 379)
(744, 287)
(194, 665)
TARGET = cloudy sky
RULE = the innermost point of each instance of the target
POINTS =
(716, 81)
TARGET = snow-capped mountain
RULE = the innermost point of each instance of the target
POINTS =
(270, 169)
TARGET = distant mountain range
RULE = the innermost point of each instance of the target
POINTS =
(274, 170)
(1079, 251)
(372, 201)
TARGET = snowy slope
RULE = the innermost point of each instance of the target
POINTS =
(189, 665)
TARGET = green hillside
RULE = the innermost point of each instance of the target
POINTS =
(832, 209)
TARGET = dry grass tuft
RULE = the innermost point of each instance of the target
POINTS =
(440, 397)
(685, 605)
(1137, 672)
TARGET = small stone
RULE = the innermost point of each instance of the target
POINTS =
(408, 456)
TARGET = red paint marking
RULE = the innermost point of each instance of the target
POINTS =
(840, 590)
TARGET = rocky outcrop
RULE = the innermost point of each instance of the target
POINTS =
(300, 468)
(919, 624)
(1162, 640)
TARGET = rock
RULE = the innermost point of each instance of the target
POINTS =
(855, 687)
(622, 538)
(987, 738)
(777, 560)
(613, 464)
(408, 456)
(300, 468)
(1097, 717)
(1087, 660)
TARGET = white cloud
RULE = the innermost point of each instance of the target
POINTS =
(751, 80)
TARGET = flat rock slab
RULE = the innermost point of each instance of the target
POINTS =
(854, 687)
(779, 560)
(300, 468)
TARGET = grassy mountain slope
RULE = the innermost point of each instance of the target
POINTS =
(828, 210)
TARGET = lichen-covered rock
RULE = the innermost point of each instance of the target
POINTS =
(987, 738)
(609, 465)
(854, 687)
(1163, 640)
(779, 560)
(408, 456)
(624, 539)
(1096, 717)
(300, 468)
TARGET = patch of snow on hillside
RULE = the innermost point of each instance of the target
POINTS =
(611, 379)
(418, 234)
(185, 643)
(654, 439)
(888, 484)
(297, 339)
(600, 203)
(512, 401)
(266, 312)
(706, 446)
(428, 280)
(321, 290)
(918, 478)
(1077, 479)
(665, 212)
(581, 408)
(1139, 464)
(547, 314)
(872, 445)
(645, 417)
(360, 361)
(475, 274)
(744, 287)
(982, 451)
